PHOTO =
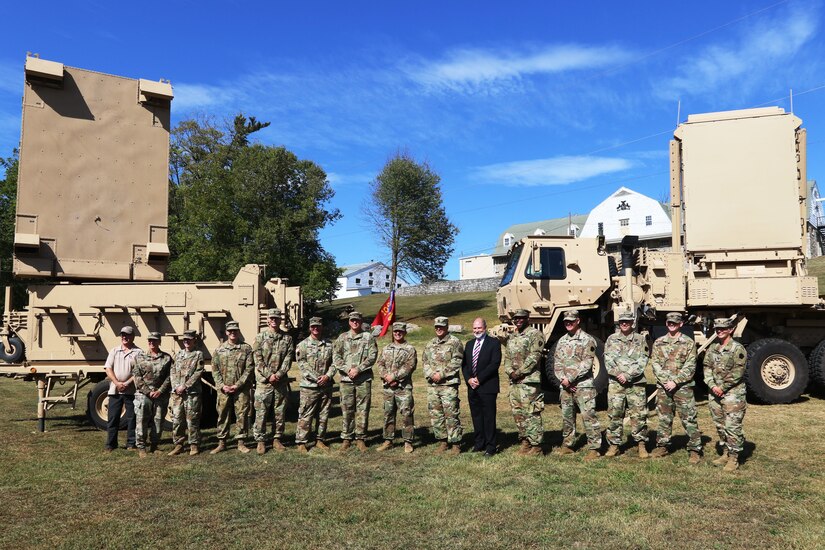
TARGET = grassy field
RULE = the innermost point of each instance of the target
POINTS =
(60, 490)
(816, 267)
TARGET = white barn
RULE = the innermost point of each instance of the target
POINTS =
(365, 279)
(627, 212)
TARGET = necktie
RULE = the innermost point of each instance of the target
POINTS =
(476, 349)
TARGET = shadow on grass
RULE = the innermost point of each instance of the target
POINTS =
(455, 307)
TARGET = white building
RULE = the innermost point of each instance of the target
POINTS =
(627, 212)
(816, 221)
(365, 279)
(476, 267)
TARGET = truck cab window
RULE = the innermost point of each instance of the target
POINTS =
(510, 270)
(551, 265)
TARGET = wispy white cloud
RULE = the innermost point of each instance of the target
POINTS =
(11, 78)
(476, 67)
(198, 96)
(550, 171)
(747, 61)
(360, 178)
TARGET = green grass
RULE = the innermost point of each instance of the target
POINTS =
(816, 268)
(60, 490)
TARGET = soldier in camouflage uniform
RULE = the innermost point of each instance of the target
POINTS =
(354, 354)
(232, 367)
(673, 360)
(314, 357)
(625, 356)
(522, 357)
(573, 366)
(151, 375)
(442, 365)
(272, 351)
(395, 367)
(725, 362)
(185, 402)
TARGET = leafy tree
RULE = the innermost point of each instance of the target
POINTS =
(407, 212)
(8, 207)
(232, 202)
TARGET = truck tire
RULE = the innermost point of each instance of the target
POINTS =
(16, 353)
(816, 364)
(599, 372)
(776, 372)
(97, 406)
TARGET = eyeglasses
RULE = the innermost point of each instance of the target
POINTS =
(625, 322)
(569, 322)
(671, 323)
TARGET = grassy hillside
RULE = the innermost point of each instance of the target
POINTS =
(816, 267)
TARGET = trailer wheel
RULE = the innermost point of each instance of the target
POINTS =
(15, 354)
(97, 406)
(816, 364)
(776, 372)
(599, 372)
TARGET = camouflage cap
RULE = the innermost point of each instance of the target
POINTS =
(274, 312)
(571, 315)
(626, 316)
(153, 336)
(399, 326)
(127, 330)
(355, 316)
(441, 322)
(722, 322)
(233, 325)
(521, 313)
(315, 322)
(189, 334)
(674, 317)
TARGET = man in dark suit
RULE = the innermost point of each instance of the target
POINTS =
(482, 357)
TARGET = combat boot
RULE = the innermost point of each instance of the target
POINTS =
(278, 446)
(362, 446)
(176, 451)
(345, 445)
(142, 453)
(455, 450)
(385, 446)
(302, 448)
(153, 448)
(408, 447)
(193, 450)
(592, 454)
(695, 457)
(525, 446)
(242, 446)
(732, 464)
(442, 446)
(721, 460)
(261, 447)
(659, 452)
(321, 445)
(613, 450)
(220, 448)
(643, 450)
(534, 450)
(564, 450)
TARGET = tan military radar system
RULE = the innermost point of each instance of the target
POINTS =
(738, 191)
(92, 213)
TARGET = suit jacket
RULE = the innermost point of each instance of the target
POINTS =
(489, 360)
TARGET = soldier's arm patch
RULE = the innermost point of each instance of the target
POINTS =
(741, 355)
(592, 349)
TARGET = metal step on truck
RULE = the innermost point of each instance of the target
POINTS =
(738, 194)
(91, 227)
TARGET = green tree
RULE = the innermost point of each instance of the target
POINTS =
(8, 207)
(407, 212)
(233, 202)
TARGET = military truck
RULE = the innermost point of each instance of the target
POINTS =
(91, 228)
(738, 190)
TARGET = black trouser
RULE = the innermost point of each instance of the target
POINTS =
(116, 404)
(483, 413)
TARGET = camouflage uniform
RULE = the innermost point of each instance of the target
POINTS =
(314, 360)
(674, 359)
(626, 355)
(232, 364)
(151, 373)
(273, 353)
(359, 351)
(399, 361)
(522, 357)
(725, 369)
(574, 360)
(186, 371)
(443, 356)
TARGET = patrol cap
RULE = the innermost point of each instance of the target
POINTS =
(722, 322)
(441, 322)
(189, 334)
(315, 322)
(626, 316)
(153, 336)
(127, 330)
(399, 326)
(571, 315)
(355, 315)
(274, 312)
(232, 325)
(521, 313)
(674, 317)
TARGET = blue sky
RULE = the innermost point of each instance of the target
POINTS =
(528, 110)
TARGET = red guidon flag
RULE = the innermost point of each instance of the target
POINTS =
(385, 315)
